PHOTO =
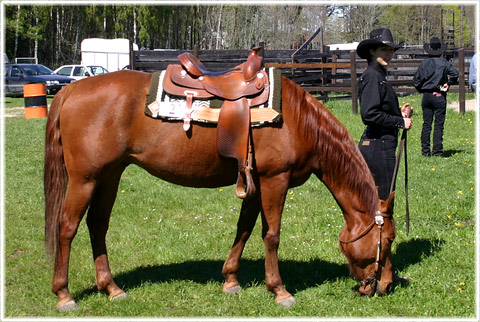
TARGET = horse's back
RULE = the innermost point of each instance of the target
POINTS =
(110, 91)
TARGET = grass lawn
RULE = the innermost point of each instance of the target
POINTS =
(167, 243)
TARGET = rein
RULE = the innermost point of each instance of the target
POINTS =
(372, 278)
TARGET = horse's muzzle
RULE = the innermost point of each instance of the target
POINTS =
(371, 289)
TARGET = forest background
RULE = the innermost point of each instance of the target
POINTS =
(53, 33)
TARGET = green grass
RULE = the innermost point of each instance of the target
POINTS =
(15, 101)
(167, 243)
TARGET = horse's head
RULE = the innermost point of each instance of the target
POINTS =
(369, 251)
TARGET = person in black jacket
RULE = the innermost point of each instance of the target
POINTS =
(379, 109)
(433, 78)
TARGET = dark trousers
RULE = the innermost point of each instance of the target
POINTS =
(433, 106)
(380, 156)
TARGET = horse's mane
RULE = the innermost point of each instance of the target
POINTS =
(339, 155)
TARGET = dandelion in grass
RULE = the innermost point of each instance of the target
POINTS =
(220, 190)
(434, 169)
(458, 224)
(460, 192)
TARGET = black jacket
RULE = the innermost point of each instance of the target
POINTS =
(378, 101)
(432, 73)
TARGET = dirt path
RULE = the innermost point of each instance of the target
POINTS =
(470, 105)
(14, 111)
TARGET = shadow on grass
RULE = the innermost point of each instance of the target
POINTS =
(414, 251)
(449, 153)
(296, 275)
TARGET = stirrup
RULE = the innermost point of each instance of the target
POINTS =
(245, 187)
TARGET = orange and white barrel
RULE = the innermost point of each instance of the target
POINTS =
(35, 96)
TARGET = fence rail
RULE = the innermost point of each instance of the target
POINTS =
(322, 73)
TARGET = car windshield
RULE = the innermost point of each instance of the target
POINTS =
(33, 70)
(97, 70)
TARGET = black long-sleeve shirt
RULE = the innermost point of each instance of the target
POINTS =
(378, 101)
(433, 73)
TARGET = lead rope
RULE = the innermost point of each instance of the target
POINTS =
(403, 146)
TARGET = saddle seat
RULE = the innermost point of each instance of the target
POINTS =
(196, 68)
(245, 79)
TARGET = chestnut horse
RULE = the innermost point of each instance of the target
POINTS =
(97, 127)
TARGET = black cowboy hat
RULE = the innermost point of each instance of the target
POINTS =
(435, 47)
(380, 36)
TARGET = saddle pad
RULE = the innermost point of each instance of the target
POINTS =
(160, 104)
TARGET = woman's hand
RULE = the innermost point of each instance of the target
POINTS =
(407, 123)
(407, 110)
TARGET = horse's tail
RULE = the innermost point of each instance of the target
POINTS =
(55, 173)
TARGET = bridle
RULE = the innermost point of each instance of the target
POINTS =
(372, 277)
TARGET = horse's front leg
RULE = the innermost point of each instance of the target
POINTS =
(246, 222)
(273, 191)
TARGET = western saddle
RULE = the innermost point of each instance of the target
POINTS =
(240, 88)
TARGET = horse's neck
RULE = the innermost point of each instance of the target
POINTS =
(355, 194)
(338, 162)
(355, 212)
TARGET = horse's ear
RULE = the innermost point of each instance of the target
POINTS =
(386, 206)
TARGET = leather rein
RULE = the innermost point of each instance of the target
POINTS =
(372, 277)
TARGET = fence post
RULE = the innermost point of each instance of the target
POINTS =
(353, 77)
(461, 80)
(334, 70)
(132, 56)
(196, 50)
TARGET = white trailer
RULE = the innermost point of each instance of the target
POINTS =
(112, 54)
(348, 46)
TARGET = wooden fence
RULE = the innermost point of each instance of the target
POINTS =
(319, 73)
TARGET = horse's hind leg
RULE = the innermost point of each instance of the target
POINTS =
(246, 222)
(97, 221)
(76, 202)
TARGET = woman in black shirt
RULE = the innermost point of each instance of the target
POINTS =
(379, 109)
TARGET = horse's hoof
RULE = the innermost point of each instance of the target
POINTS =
(289, 301)
(69, 306)
(233, 290)
(121, 296)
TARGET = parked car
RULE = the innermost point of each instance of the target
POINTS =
(80, 71)
(17, 75)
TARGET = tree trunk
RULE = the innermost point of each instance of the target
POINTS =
(217, 44)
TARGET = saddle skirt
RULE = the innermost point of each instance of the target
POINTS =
(167, 99)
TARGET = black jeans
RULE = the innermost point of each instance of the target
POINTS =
(380, 156)
(433, 106)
